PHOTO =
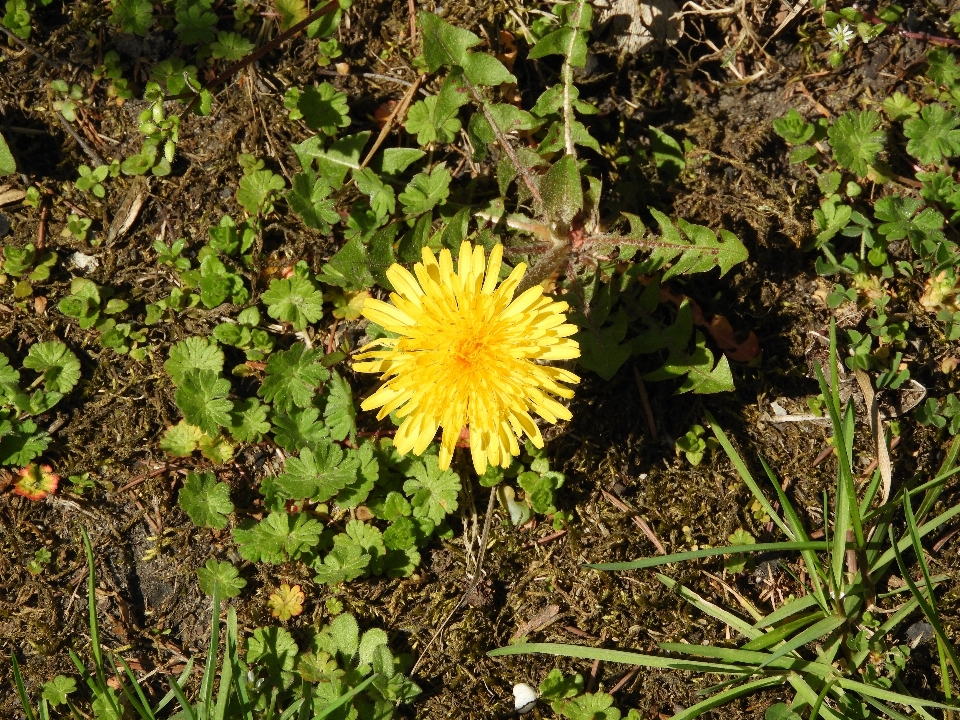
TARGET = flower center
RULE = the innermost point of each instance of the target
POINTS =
(468, 351)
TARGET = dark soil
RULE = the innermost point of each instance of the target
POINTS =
(737, 177)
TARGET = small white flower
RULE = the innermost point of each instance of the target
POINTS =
(524, 698)
(840, 35)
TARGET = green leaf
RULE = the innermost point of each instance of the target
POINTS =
(900, 219)
(248, 420)
(324, 108)
(291, 12)
(395, 160)
(444, 44)
(942, 67)
(310, 199)
(182, 439)
(382, 199)
(273, 648)
(346, 561)
(8, 165)
(195, 22)
(292, 377)
(229, 238)
(230, 46)
(934, 135)
(21, 442)
(205, 500)
(793, 128)
(340, 414)
(562, 191)
(294, 300)
(349, 268)
(702, 376)
(221, 579)
(134, 16)
(201, 398)
(257, 191)
(298, 429)
(55, 692)
(278, 538)
(590, 706)
(856, 141)
(56, 362)
(367, 476)
(433, 492)
(194, 353)
(319, 475)
(600, 348)
(900, 107)
(334, 163)
(425, 191)
(699, 252)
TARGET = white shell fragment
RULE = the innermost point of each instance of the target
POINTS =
(82, 262)
(642, 25)
(524, 698)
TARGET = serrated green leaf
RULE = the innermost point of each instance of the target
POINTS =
(194, 353)
(856, 140)
(444, 44)
(273, 649)
(201, 398)
(220, 578)
(319, 475)
(324, 108)
(56, 691)
(793, 128)
(426, 191)
(257, 191)
(340, 414)
(248, 420)
(292, 377)
(278, 538)
(294, 300)
(346, 561)
(21, 442)
(349, 268)
(291, 12)
(298, 429)
(205, 500)
(310, 199)
(382, 199)
(934, 135)
(433, 492)
(56, 362)
(182, 439)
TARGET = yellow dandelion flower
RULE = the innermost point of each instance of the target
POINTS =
(468, 354)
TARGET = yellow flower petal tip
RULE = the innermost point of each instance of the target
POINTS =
(469, 356)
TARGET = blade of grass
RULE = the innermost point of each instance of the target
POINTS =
(617, 656)
(821, 696)
(745, 475)
(737, 623)
(882, 694)
(233, 657)
(814, 567)
(886, 710)
(924, 606)
(781, 633)
(709, 552)
(726, 696)
(931, 497)
(788, 610)
(816, 631)
(184, 703)
(226, 676)
(749, 660)
(180, 682)
(21, 690)
(140, 703)
(210, 667)
(934, 615)
(808, 695)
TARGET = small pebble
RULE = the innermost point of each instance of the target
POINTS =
(524, 698)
